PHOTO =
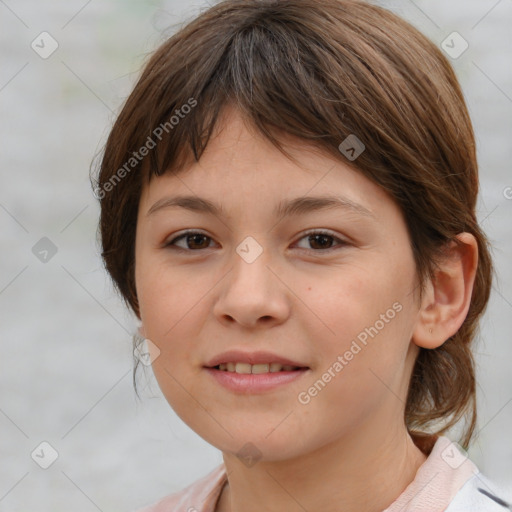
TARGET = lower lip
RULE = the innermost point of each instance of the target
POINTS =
(254, 382)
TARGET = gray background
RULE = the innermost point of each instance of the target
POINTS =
(66, 360)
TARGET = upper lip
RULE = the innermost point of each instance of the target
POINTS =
(261, 357)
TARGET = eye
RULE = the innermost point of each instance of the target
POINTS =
(192, 240)
(195, 240)
(321, 240)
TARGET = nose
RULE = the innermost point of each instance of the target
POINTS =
(252, 294)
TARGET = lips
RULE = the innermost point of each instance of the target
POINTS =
(252, 358)
(254, 373)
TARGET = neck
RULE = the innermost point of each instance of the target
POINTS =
(358, 472)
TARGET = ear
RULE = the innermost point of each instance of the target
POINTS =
(447, 296)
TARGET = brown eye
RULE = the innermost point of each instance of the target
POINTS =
(193, 240)
(321, 241)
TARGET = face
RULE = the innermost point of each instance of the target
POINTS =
(329, 289)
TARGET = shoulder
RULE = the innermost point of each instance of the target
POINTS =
(480, 494)
(200, 496)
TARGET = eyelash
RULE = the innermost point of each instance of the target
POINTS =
(171, 243)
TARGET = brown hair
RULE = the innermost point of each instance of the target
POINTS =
(320, 71)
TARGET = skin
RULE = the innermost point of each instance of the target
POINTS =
(296, 299)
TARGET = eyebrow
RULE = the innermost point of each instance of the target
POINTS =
(297, 206)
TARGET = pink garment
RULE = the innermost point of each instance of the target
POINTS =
(435, 484)
(437, 480)
(201, 496)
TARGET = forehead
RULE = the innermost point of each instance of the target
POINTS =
(241, 166)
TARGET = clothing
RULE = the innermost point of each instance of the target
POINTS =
(446, 482)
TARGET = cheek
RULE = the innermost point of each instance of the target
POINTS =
(353, 299)
(166, 302)
(171, 314)
(175, 306)
(366, 315)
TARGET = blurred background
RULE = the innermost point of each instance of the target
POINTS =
(66, 355)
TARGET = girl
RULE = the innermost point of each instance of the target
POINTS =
(288, 206)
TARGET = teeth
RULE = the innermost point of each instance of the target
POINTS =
(260, 368)
(275, 367)
(247, 368)
(243, 368)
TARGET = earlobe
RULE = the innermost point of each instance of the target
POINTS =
(447, 296)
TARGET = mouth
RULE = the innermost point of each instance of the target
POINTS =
(261, 368)
(253, 373)
(243, 362)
